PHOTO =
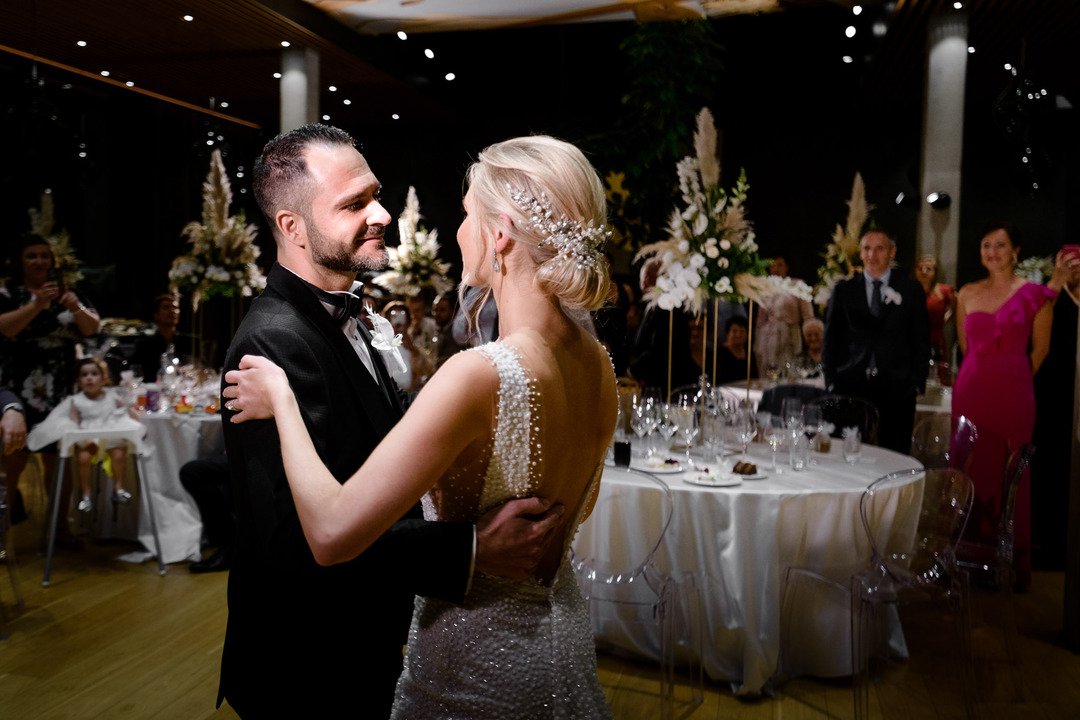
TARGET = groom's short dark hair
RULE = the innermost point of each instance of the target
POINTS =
(281, 170)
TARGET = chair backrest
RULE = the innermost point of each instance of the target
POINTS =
(944, 504)
(987, 464)
(773, 398)
(935, 443)
(617, 522)
(846, 411)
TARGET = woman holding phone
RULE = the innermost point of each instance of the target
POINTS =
(41, 319)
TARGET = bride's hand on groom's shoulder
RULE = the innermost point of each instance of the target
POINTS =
(511, 539)
(255, 389)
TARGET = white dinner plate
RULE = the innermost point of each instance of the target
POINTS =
(712, 479)
(756, 476)
(657, 468)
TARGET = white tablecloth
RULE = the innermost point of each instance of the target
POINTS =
(176, 438)
(740, 541)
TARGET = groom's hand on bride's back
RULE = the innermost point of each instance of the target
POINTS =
(512, 538)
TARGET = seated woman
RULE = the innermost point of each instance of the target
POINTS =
(529, 415)
(731, 356)
(808, 364)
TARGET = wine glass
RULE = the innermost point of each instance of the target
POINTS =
(745, 428)
(668, 422)
(791, 411)
(713, 434)
(643, 422)
(774, 428)
(686, 417)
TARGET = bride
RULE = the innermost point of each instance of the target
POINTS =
(529, 415)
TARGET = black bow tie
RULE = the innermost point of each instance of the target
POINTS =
(346, 305)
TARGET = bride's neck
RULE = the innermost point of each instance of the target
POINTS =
(521, 306)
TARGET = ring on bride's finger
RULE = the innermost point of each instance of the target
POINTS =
(230, 404)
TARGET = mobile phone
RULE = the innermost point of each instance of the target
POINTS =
(1072, 252)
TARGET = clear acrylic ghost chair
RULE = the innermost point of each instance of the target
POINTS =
(772, 399)
(66, 445)
(845, 411)
(989, 561)
(7, 550)
(922, 570)
(627, 594)
(936, 443)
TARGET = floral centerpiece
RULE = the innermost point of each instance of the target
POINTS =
(842, 254)
(710, 251)
(222, 257)
(415, 264)
(41, 223)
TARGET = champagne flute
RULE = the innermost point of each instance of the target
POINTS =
(812, 423)
(668, 422)
(774, 435)
(686, 416)
(643, 423)
(791, 411)
(745, 428)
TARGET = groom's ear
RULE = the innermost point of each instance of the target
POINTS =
(291, 227)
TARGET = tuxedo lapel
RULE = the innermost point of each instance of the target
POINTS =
(376, 403)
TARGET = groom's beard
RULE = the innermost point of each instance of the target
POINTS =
(367, 252)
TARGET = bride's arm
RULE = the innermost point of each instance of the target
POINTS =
(342, 520)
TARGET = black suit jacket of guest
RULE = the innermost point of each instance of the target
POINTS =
(898, 339)
(306, 640)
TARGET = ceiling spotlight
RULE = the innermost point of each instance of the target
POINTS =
(277, 76)
(81, 43)
(450, 76)
(224, 104)
(971, 50)
(285, 43)
(907, 201)
(429, 53)
(958, 6)
(401, 35)
(326, 117)
(209, 142)
(850, 32)
(130, 84)
(104, 73)
(939, 200)
(879, 29)
(188, 18)
(395, 116)
(856, 10)
(347, 101)
(1008, 66)
(332, 88)
(848, 59)
(82, 154)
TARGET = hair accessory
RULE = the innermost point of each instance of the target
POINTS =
(570, 238)
(494, 260)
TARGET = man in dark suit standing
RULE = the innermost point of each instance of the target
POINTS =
(304, 640)
(877, 340)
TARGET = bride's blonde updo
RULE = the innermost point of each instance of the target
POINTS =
(525, 177)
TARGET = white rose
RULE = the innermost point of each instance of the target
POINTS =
(725, 244)
(724, 262)
(712, 252)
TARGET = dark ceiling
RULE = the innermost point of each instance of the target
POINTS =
(224, 59)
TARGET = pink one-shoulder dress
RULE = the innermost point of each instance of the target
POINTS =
(995, 390)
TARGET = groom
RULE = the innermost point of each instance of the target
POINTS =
(877, 340)
(304, 640)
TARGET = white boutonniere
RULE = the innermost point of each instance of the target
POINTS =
(892, 297)
(384, 340)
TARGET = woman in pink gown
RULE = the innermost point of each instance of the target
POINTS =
(997, 318)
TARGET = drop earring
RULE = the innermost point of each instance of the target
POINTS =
(495, 261)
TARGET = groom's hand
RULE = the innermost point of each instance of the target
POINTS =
(511, 539)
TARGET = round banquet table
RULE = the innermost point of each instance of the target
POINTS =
(175, 438)
(737, 543)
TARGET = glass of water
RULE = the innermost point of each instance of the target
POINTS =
(852, 446)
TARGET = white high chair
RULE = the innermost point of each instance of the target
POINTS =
(67, 442)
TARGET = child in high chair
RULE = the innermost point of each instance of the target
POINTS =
(96, 405)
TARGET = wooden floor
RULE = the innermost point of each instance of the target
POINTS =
(110, 639)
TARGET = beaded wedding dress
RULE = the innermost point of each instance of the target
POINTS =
(514, 649)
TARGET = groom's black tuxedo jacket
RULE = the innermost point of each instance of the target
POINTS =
(304, 640)
(898, 339)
